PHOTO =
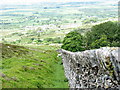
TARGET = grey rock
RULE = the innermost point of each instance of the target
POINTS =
(91, 68)
(2, 75)
(14, 78)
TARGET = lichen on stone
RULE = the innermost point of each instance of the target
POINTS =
(98, 68)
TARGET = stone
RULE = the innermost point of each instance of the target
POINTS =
(25, 68)
(2, 75)
(32, 68)
(93, 68)
(8, 79)
(14, 78)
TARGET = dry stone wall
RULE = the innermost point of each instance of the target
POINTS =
(98, 68)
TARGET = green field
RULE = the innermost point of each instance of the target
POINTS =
(27, 24)
(31, 67)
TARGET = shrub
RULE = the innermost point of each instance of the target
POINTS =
(73, 42)
(104, 34)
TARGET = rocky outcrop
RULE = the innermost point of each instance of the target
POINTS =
(98, 68)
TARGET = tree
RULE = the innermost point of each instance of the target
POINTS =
(108, 32)
(101, 42)
(73, 42)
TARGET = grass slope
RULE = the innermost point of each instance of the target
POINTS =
(31, 68)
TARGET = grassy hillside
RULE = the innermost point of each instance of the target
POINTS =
(31, 68)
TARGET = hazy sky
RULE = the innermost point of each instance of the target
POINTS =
(36, 1)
